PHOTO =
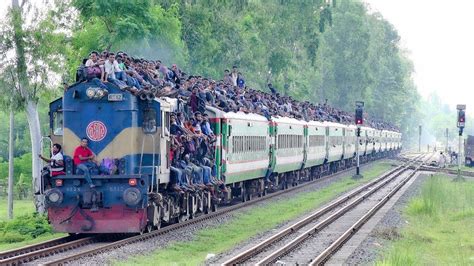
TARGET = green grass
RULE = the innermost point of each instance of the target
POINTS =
(8, 246)
(248, 224)
(440, 228)
(20, 207)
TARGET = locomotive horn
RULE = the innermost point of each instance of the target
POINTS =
(143, 96)
(153, 90)
(150, 96)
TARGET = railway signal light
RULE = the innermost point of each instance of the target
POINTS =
(461, 123)
(359, 113)
(461, 118)
(359, 120)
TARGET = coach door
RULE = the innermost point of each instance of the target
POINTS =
(165, 162)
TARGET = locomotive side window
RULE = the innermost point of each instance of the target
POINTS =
(58, 123)
(149, 121)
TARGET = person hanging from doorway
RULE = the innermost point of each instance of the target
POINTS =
(55, 167)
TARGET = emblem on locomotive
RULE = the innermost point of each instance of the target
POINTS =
(96, 131)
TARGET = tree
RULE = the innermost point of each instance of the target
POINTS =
(36, 50)
(7, 101)
(141, 28)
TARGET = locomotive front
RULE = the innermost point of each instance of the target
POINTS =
(126, 137)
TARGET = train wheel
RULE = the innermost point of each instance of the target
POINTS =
(243, 194)
(249, 195)
(183, 218)
(214, 206)
(149, 228)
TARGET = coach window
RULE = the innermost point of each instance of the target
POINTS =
(58, 123)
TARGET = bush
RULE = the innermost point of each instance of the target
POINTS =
(12, 237)
(24, 227)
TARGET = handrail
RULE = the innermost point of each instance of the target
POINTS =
(153, 159)
(43, 163)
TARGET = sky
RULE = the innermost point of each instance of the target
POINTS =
(439, 39)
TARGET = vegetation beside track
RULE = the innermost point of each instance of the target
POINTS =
(463, 168)
(246, 225)
(440, 226)
(20, 207)
(26, 228)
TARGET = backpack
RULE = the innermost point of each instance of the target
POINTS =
(81, 73)
(93, 72)
(108, 166)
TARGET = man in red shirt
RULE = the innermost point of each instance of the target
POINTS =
(83, 160)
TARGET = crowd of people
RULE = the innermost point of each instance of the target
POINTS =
(192, 137)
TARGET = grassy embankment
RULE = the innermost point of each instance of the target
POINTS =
(248, 224)
(440, 229)
(25, 228)
(463, 168)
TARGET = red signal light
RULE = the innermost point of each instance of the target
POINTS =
(132, 182)
(59, 182)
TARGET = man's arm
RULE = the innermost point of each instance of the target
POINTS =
(44, 158)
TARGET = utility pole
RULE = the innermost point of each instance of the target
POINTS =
(419, 138)
(359, 120)
(447, 139)
(11, 145)
(461, 123)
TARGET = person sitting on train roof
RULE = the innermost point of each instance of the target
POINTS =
(110, 68)
(122, 74)
(83, 160)
(226, 95)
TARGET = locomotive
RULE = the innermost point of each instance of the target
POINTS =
(253, 155)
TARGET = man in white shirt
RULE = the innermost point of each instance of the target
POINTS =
(110, 67)
(55, 167)
(56, 163)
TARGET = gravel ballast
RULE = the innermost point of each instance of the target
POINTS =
(387, 229)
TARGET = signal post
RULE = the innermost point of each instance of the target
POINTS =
(359, 121)
(461, 123)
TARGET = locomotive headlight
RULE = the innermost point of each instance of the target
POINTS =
(101, 93)
(132, 196)
(90, 92)
(54, 197)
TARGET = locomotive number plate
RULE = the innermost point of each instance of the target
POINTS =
(115, 97)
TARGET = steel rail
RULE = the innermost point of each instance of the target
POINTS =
(320, 225)
(446, 171)
(30, 248)
(167, 229)
(47, 251)
(247, 254)
(326, 254)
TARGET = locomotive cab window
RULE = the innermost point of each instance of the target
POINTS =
(58, 123)
(149, 121)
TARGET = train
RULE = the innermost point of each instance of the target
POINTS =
(253, 155)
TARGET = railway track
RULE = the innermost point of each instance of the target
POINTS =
(104, 243)
(52, 247)
(336, 209)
